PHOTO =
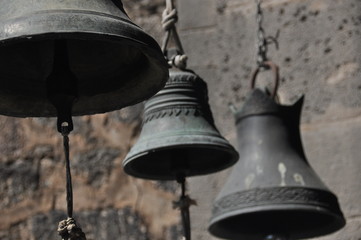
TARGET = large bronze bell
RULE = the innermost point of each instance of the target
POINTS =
(179, 138)
(114, 62)
(272, 189)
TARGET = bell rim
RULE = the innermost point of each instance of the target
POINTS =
(338, 220)
(228, 149)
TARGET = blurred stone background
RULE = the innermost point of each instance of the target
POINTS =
(319, 56)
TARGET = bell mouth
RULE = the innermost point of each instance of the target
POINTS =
(187, 160)
(294, 220)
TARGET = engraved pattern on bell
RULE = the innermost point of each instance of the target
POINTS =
(178, 135)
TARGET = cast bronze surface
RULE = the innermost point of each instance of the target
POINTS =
(272, 189)
(114, 61)
(178, 135)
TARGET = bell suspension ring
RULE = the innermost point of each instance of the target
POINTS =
(275, 70)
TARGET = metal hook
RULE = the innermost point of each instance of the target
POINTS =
(275, 70)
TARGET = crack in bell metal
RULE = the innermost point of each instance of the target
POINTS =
(272, 189)
(115, 62)
(179, 138)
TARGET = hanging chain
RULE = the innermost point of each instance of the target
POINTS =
(263, 63)
(183, 204)
(262, 41)
(169, 19)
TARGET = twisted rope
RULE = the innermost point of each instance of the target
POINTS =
(69, 188)
(169, 20)
(68, 229)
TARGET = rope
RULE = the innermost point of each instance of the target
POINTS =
(69, 188)
(183, 204)
(68, 229)
(169, 20)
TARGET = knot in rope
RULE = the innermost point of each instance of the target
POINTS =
(169, 19)
(69, 230)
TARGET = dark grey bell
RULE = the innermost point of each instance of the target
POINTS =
(179, 138)
(114, 63)
(272, 189)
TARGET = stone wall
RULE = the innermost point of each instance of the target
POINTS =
(108, 203)
(319, 56)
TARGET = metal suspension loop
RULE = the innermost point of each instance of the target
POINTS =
(169, 19)
(275, 70)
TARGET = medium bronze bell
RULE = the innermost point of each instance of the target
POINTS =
(114, 62)
(272, 189)
(179, 138)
